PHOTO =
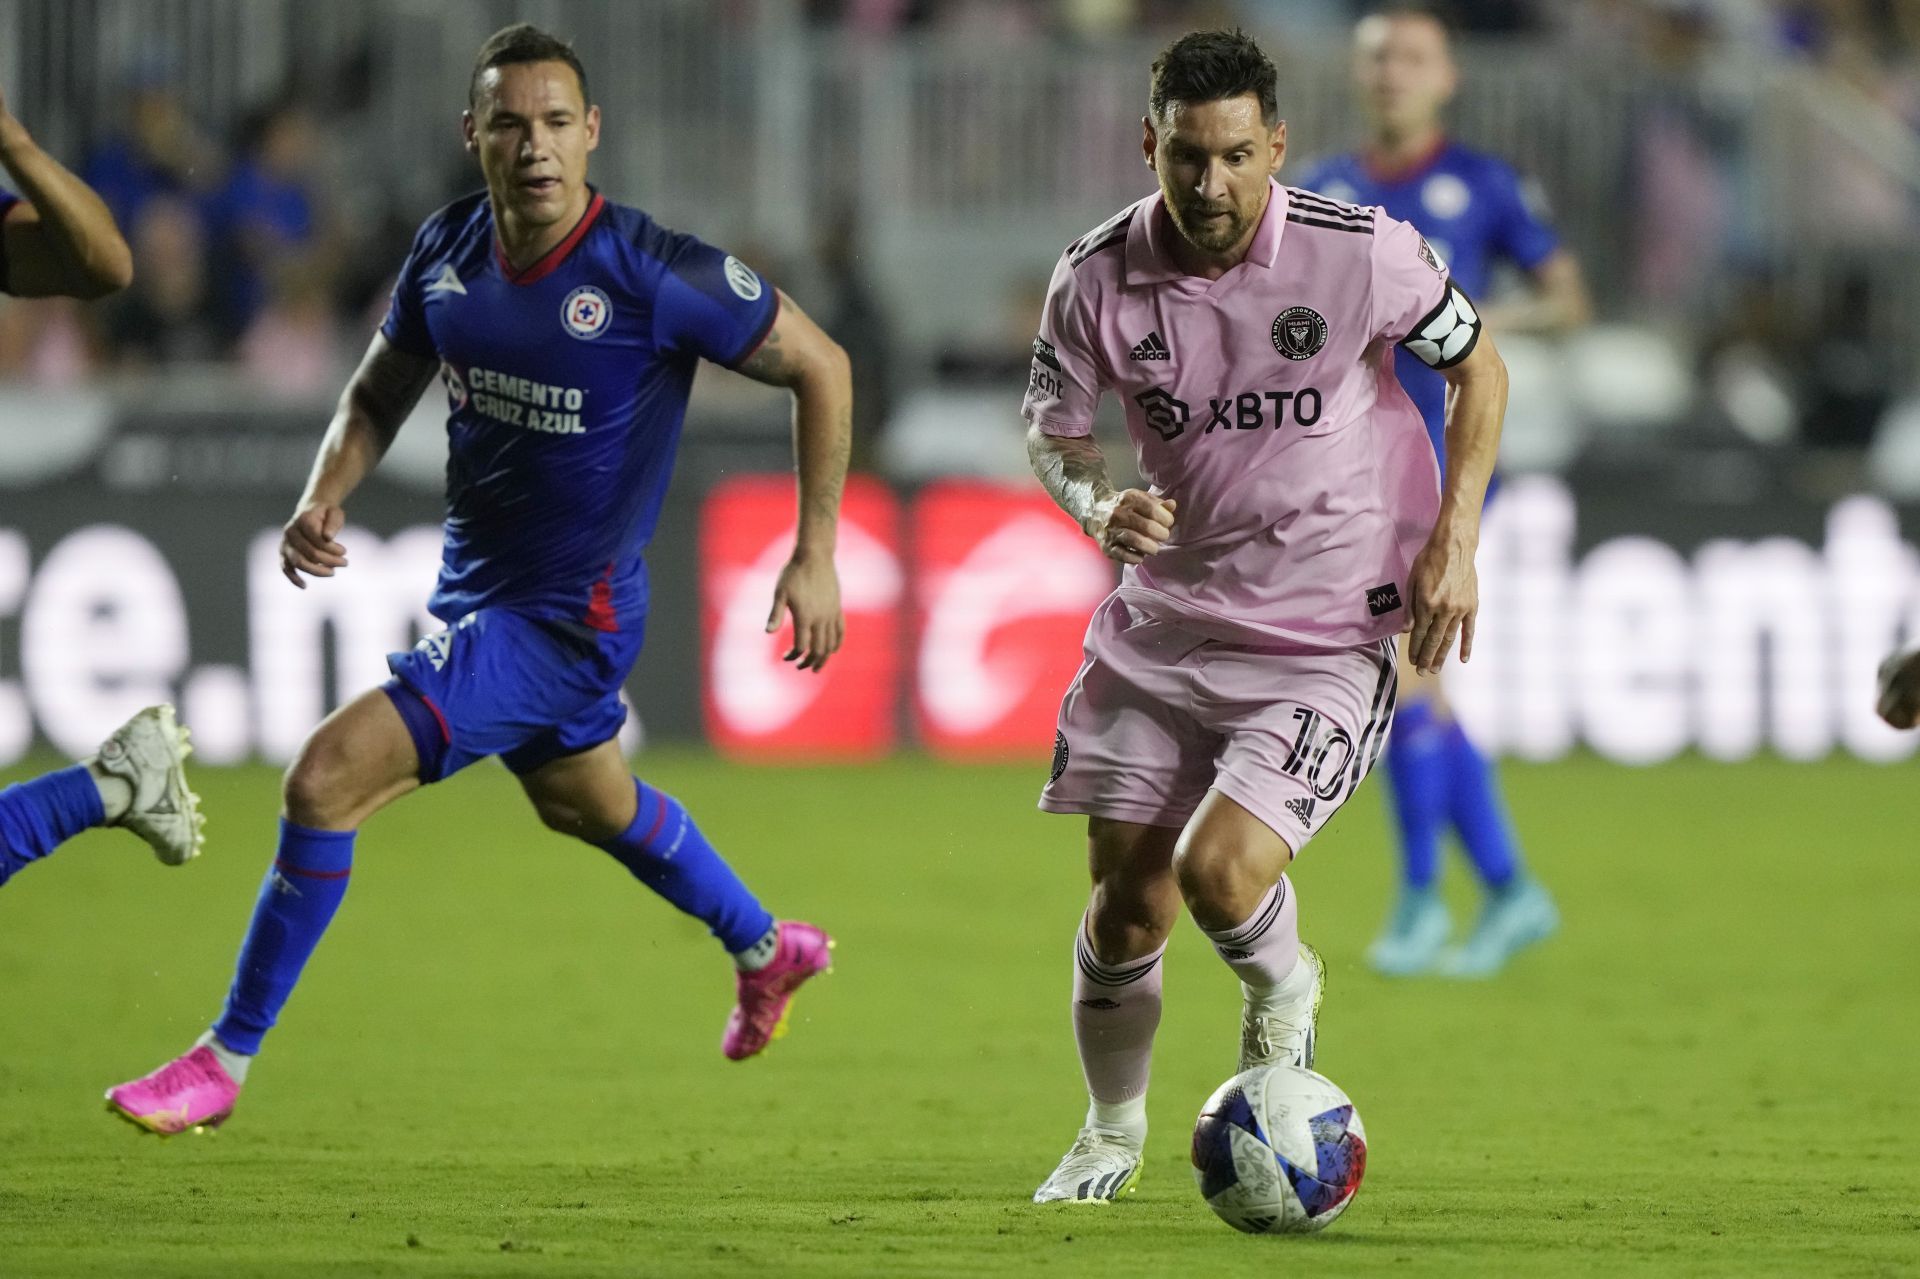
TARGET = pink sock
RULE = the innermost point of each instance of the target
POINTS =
(1264, 948)
(1116, 1009)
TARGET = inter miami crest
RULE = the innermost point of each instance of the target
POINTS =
(1299, 332)
(1431, 258)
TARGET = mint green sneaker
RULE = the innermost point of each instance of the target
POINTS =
(1514, 918)
(1415, 934)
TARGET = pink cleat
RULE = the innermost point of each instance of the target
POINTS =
(190, 1093)
(761, 1015)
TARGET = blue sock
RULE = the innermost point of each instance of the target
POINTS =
(666, 852)
(36, 817)
(1474, 805)
(302, 890)
(1417, 767)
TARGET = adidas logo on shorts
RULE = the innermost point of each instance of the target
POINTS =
(1151, 347)
(1302, 808)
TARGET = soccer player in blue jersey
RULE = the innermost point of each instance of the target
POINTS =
(567, 330)
(1475, 213)
(57, 239)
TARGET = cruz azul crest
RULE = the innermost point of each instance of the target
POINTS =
(1299, 332)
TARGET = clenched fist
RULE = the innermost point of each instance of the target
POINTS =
(1131, 525)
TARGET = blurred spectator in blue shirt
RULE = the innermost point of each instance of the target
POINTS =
(156, 152)
(269, 217)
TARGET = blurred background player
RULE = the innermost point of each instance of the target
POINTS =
(57, 239)
(569, 329)
(1237, 685)
(1476, 213)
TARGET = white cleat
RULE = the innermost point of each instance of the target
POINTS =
(1098, 1169)
(1277, 1028)
(149, 752)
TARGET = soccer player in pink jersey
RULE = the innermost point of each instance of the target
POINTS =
(1238, 685)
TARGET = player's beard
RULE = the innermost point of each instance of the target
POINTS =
(1212, 236)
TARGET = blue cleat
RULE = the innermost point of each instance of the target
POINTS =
(1415, 934)
(1514, 918)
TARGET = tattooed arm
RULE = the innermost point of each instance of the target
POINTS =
(382, 393)
(1129, 525)
(798, 355)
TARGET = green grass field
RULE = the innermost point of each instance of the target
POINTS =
(504, 1059)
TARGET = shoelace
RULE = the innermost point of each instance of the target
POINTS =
(760, 1003)
(1261, 1034)
(186, 1072)
(1088, 1155)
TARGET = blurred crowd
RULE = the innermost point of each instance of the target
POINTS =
(252, 252)
(1853, 30)
(241, 254)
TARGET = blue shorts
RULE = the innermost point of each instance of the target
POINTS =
(501, 682)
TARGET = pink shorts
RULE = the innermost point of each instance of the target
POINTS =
(1157, 716)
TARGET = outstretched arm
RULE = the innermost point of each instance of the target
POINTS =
(1556, 303)
(1445, 586)
(377, 400)
(60, 240)
(798, 355)
(1129, 525)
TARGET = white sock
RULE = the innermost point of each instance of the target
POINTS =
(761, 953)
(1289, 989)
(116, 793)
(1124, 1118)
(235, 1064)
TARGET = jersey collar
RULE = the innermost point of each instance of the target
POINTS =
(1149, 239)
(549, 262)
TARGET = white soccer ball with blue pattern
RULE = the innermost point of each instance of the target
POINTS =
(1279, 1150)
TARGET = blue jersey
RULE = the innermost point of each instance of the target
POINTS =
(1472, 208)
(568, 383)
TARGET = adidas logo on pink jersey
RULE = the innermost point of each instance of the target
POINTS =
(1151, 347)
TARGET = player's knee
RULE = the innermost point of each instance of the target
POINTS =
(568, 815)
(561, 816)
(1212, 874)
(1127, 920)
(319, 787)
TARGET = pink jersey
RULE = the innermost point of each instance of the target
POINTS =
(1265, 404)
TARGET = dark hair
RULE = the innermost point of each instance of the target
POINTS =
(1208, 66)
(524, 42)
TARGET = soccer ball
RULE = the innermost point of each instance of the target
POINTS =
(1279, 1150)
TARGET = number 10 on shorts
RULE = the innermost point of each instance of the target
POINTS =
(1321, 752)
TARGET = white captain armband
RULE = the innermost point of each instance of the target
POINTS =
(1447, 334)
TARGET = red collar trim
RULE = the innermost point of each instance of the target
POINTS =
(549, 262)
(1411, 169)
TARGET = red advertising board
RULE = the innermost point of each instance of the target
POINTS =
(759, 707)
(1003, 584)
